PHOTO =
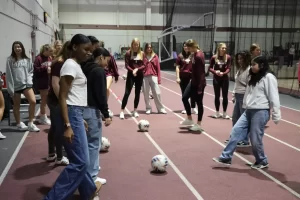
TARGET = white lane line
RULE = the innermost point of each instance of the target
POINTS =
(292, 123)
(16, 152)
(236, 154)
(173, 74)
(177, 171)
(244, 159)
(276, 139)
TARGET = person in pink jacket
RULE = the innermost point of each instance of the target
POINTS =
(152, 79)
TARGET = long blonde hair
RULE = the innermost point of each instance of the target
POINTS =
(218, 52)
(139, 52)
(44, 48)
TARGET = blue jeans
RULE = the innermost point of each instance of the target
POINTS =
(94, 136)
(238, 110)
(75, 174)
(252, 121)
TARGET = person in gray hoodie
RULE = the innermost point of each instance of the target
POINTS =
(19, 72)
(261, 98)
(242, 63)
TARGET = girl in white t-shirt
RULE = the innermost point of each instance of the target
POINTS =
(72, 100)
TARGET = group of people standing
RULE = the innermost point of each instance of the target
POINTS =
(74, 79)
(255, 95)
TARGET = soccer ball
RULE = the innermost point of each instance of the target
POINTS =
(143, 125)
(159, 163)
(105, 144)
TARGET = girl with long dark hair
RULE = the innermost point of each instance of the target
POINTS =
(261, 98)
(220, 65)
(134, 63)
(73, 100)
(19, 72)
(55, 143)
(184, 73)
(195, 88)
(152, 79)
(242, 63)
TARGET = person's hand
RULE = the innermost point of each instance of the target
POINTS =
(221, 74)
(69, 135)
(178, 80)
(107, 121)
(233, 100)
(86, 125)
(134, 72)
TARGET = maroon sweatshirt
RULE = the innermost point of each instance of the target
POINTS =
(40, 72)
(198, 72)
(132, 64)
(185, 66)
(221, 66)
(152, 67)
(112, 68)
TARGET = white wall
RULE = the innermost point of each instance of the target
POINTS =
(122, 13)
(16, 25)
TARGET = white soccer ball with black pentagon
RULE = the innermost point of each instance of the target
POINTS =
(143, 125)
(105, 144)
(159, 163)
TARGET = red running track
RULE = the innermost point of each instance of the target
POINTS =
(191, 175)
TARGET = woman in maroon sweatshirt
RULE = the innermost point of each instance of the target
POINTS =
(151, 80)
(184, 73)
(195, 89)
(134, 63)
(41, 73)
(220, 65)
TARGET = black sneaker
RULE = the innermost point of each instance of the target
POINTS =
(222, 161)
(243, 144)
(257, 165)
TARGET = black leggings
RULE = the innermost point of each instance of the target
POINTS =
(130, 81)
(191, 92)
(183, 84)
(218, 85)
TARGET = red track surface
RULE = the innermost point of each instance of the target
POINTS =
(127, 165)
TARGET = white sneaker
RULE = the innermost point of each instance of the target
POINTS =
(2, 136)
(187, 122)
(22, 126)
(225, 116)
(135, 114)
(183, 112)
(217, 115)
(195, 110)
(33, 128)
(148, 111)
(101, 180)
(44, 120)
(51, 158)
(64, 161)
(162, 111)
(122, 115)
(196, 127)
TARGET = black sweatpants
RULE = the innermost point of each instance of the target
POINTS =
(184, 81)
(192, 92)
(130, 81)
(221, 85)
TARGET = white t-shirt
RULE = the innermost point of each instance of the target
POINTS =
(78, 91)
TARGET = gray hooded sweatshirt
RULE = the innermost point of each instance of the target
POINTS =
(264, 96)
(18, 74)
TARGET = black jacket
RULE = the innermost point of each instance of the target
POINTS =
(96, 87)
